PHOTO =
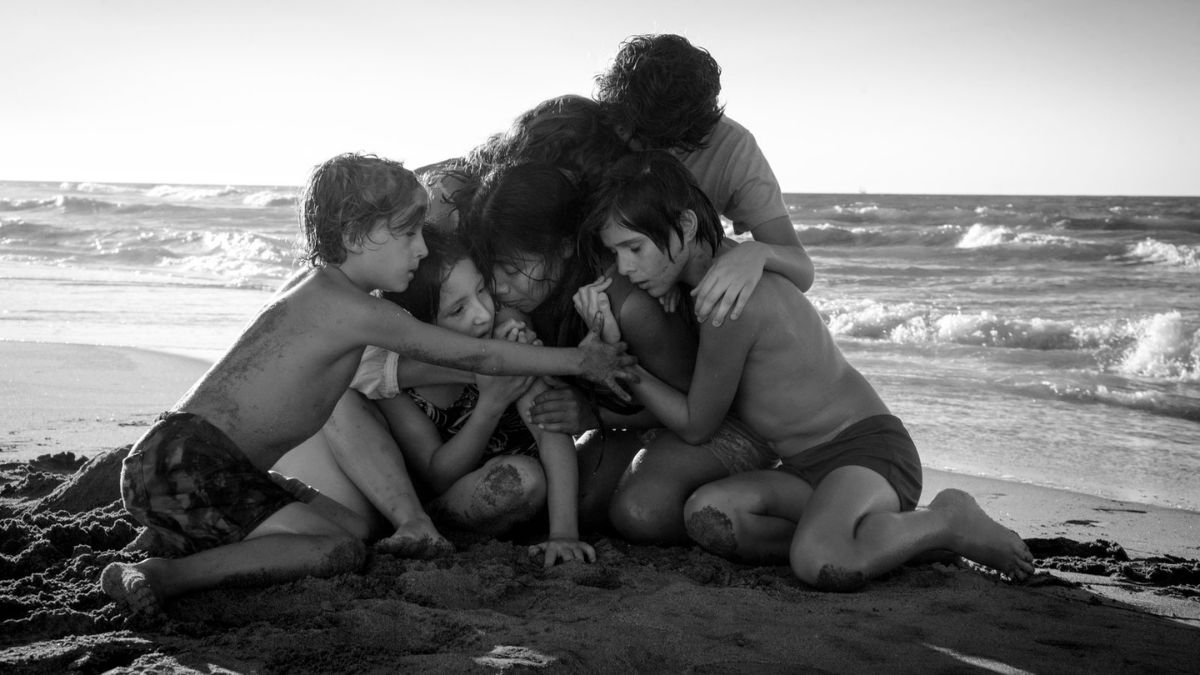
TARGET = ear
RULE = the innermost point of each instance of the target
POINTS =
(689, 224)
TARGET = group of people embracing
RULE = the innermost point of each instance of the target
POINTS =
(547, 338)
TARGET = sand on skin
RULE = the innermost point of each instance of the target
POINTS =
(638, 609)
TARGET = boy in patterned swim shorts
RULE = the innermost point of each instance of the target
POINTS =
(199, 477)
(840, 508)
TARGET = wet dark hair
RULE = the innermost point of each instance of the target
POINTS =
(647, 192)
(533, 208)
(523, 208)
(347, 196)
(568, 132)
(423, 296)
(664, 89)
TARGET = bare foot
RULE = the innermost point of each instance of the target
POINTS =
(416, 539)
(982, 539)
(129, 586)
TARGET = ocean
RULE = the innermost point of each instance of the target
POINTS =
(1045, 340)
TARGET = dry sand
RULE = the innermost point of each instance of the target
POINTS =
(1119, 590)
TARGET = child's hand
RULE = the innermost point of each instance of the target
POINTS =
(562, 409)
(670, 300)
(510, 330)
(501, 391)
(604, 364)
(565, 550)
(591, 302)
(726, 287)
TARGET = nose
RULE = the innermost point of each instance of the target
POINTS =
(624, 264)
(500, 283)
(419, 247)
(480, 309)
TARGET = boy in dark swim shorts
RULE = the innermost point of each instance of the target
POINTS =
(200, 475)
(840, 508)
(188, 482)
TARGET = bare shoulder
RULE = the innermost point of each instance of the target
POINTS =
(775, 295)
(322, 291)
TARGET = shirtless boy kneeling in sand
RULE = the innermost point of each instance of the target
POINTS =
(840, 509)
(199, 477)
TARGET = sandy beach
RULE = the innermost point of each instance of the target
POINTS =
(1118, 588)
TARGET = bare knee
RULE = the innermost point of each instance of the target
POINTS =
(709, 518)
(514, 485)
(822, 565)
(643, 514)
(342, 554)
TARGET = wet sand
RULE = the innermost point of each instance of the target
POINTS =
(1118, 590)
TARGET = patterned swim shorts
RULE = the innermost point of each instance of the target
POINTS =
(734, 445)
(187, 480)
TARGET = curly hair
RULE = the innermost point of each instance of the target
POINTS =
(647, 192)
(347, 197)
(664, 90)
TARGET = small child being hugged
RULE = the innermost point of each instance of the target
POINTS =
(467, 443)
(199, 476)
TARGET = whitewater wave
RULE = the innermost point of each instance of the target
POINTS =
(1159, 252)
(270, 198)
(1160, 347)
(99, 188)
(1142, 400)
(191, 193)
(231, 255)
(996, 239)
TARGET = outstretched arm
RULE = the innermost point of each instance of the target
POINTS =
(385, 325)
(726, 287)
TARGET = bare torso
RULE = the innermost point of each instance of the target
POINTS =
(281, 379)
(797, 389)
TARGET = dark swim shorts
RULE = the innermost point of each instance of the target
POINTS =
(880, 443)
(187, 480)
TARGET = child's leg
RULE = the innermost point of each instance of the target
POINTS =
(603, 457)
(367, 453)
(491, 499)
(852, 530)
(292, 543)
(312, 463)
(648, 504)
(749, 517)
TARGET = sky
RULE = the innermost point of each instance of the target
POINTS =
(1095, 97)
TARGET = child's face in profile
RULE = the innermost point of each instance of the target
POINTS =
(642, 261)
(523, 283)
(393, 256)
(465, 305)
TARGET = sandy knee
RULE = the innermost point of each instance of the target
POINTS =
(511, 484)
(837, 579)
(345, 554)
(711, 529)
(823, 567)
